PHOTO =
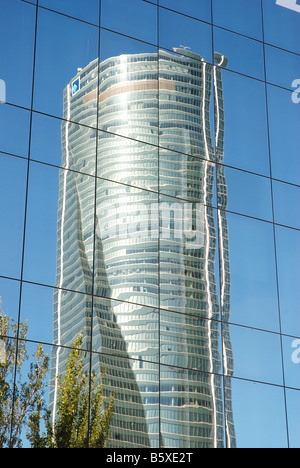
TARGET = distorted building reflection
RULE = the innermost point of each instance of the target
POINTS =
(139, 242)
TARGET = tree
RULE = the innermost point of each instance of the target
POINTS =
(18, 398)
(81, 419)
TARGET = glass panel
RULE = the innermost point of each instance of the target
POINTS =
(128, 103)
(246, 131)
(282, 67)
(13, 177)
(191, 409)
(133, 18)
(288, 261)
(252, 288)
(37, 312)
(291, 353)
(60, 85)
(14, 121)
(186, 178)
(234, 46)
(286, 203)
(126, 244)
(256, 355)
(200, 10)
(127, 161)
(187, 258)
(243, 16)
(9, 307)
(124, 329)
(281, 23)
(135, 422)
(63, 143)
(55, 228)
(89, 11)
(257, 424)
(176, 30)
(189, 342)
(185, 106)
(247, 194)
(8, 349)
(284, 134)
(17, 25)
(293, 404)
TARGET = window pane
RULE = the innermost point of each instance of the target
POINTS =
(127, 161)
(286, 204)
(234, 46)
(201, 394)
(248, 194)
(17, 25)
(63, 143)
(256, 423)
(288, 261)
(87, 11)
(252, 266)
(282, 67)
(128, 102)
(291, 354)
(13, 177)
(9, 304)
(284, 135)
(200, 10)
(246, 131)
(14, 121)
(293, 404)
(127, 243)
(133, 18)
(64, 46)
(37, 312)
(243, 16)
(55, 228)
(256, 355)
(282, 24)
(176, 30)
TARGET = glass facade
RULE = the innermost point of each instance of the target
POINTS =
(149, 186)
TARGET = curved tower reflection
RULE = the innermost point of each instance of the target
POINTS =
(142, 238)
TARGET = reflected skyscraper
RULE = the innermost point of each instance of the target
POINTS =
(137, 241)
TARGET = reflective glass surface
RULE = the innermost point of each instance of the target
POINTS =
(243, 17)
(282, 67)
(281, 23)
(64, 45)
(293, 403)
(283, 110)
(89, 11)
(149, 206)
(246, 131)
(14, 120)
(17, 42)
(9, 304)
(257, 425)
(288, 257)
(253, 291)
(185, 32)
(133, 18)
(200, 10)
(286, 195)
(13, 177)
(245, 55)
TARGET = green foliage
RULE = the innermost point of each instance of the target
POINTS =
(83, 416)
(18, 398)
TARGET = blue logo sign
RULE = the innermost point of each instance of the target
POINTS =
(76, 86)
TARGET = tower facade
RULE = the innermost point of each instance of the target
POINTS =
(138, 233)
